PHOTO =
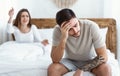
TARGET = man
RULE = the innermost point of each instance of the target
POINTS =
(83, 44)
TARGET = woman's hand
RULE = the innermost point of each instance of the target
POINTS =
(45, 42)
(11, 12)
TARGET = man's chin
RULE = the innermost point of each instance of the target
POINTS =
(77, 34)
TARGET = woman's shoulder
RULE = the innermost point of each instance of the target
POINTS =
(33, 26)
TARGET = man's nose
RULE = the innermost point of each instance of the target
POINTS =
(75, 30)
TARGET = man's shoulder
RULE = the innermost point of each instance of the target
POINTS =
(87, 21)
(56, 27)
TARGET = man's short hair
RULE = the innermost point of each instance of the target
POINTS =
(64, 15)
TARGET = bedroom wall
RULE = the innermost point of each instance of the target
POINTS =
(5, 5)
(112, 9)
(47, 9)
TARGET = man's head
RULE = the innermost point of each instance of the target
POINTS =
(64, 15)
(66, 19)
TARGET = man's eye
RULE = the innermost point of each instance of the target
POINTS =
(70, 29)
(75, 26)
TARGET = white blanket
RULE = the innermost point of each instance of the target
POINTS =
(16, 56)
(30, 58)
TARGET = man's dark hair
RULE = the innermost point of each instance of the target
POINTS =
(64, 15)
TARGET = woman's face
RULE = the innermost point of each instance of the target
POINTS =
(24, 18)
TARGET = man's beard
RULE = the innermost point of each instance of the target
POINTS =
(76, 34)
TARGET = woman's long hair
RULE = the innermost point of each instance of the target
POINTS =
(17, 20)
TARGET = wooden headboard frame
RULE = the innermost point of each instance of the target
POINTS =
(102, 22)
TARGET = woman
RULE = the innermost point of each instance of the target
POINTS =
(22, 29)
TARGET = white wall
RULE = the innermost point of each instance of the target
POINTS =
(5, 5)
(47, 8)
(112, 9)
(116, 15)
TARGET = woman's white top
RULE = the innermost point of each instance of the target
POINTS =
(32, 36)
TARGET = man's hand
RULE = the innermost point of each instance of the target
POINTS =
(65, 27)
(95, 62)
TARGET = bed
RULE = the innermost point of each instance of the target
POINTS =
(33, 59)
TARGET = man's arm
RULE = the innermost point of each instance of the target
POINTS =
(100, 48)
(100, 59)
(102, 52)
(58, 51)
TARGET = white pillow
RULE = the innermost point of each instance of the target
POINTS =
(46, 34)
(104, 33)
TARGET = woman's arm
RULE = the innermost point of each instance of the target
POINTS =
(11, 13)
(37, 37)
(10, 28)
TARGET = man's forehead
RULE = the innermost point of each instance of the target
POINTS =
(73, 20)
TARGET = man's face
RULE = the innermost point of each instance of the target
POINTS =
(75, 27)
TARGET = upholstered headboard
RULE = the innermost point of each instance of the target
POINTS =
(102, 22)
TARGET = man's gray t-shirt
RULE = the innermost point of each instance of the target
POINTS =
(82, 47)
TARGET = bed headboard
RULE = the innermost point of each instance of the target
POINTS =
(102, 22)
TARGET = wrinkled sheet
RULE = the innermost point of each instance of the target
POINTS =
(19, 56)
(33, 59)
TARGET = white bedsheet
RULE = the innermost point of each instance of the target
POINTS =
(32, 59)
(16, 56)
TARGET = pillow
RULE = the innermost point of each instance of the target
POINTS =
(46, 34)
(103, 32)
